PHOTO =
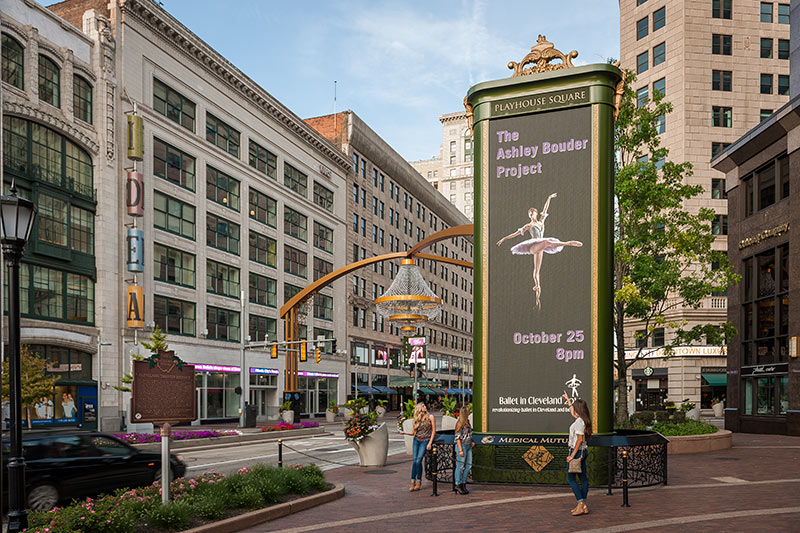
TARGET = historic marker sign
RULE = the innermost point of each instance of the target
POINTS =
(544, 147)
(163, 391)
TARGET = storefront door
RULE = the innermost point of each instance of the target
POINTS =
(258, 397)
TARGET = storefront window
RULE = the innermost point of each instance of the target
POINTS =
(783, 395)
(764, 396)
(359, 354)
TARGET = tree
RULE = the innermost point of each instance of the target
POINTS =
(663, 256)
(37, 385)
(158, 341)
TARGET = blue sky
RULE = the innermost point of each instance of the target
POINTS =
(398, 64)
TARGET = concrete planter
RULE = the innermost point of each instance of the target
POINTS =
(448, 422)
(719, 409)
(408, 439)
(721, 440)
(347, 413)
(693, 414)
(374, 448)
(381, 411)
(287, 416)
(330, 417)
(470, 421)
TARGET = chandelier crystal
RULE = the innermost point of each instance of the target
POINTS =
(409, 302)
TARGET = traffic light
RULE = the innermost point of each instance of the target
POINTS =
(333, 346)
(319, 355)
(303, 352)
(274, 351)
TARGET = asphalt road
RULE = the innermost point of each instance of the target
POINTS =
(329, 452)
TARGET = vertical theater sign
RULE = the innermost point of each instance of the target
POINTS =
(543, 236)
(134, 205)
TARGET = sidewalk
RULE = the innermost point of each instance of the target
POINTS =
(751, 487)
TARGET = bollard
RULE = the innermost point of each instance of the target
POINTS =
(165, 466)
(625, 479)
(280, 453)
(435, 470)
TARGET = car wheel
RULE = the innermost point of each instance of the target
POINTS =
(43, 497)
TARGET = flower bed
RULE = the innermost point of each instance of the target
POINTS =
(209, 497)
(283, 426)
(686, 427)
(147, 438)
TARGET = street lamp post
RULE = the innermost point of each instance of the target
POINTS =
(16, 220)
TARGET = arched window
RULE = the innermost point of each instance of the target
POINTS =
(82, 99)
(13, 62)
(49, 81)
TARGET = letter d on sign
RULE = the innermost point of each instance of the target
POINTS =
(135, 194)
(135, 307)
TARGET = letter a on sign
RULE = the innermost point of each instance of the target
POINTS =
(135, 307)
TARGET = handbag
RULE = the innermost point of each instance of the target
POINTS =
(575, 466)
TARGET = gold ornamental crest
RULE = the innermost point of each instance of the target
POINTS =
(537, 457)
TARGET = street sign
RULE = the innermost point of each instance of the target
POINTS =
(163, 390)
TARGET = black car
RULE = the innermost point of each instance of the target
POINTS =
(63, 466)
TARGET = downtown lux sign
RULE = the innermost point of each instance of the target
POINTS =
(543, 236)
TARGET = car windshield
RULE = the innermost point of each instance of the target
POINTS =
(108, 446)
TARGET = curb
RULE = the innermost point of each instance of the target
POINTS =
(238, 523)
(233, 440)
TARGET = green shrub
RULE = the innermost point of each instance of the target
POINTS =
(662, 416)
(679, 416)
(687, 427)
(174, 515)
(642, 418)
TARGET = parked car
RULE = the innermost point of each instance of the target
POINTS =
(62, 466)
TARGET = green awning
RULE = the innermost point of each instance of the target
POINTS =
(426, 390)
(405, 381)
(716, 380)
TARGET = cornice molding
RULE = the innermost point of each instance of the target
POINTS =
(24, 109)
(170, 29)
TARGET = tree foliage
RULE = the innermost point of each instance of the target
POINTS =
(663, 255)
(157, 341)
(37, 384)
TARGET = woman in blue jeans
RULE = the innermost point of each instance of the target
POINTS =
(423, 432)
(464, 446)
(579, 433)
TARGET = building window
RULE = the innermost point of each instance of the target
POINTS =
(262, 328)
(783, 48)
(659, 18)
(173, 165)
(766, 48)
(642, 62)
(722, 117)
(321, 268)
(323, 307)
(661, 124)
(222, 189)
(49, 81)
(13, 62)
(766, 11)
(81, 230)
(642, 97)
(53, 221)
(659, 54)
(173, 105)
(766, 84)
(323, 237)
(263, 290)
(719, 226)
(174, 216)
(721, 9)
(222, 135)
(262, 249)
(660, 87)
(222, 234)
(263, 208)
(295, 180)
(765, 307)
(764, 114)
(174, 316)
(223, 324)
(642, 27)
(295, 261)
(289, 291)
(721, 80)
(721, 44)
(767, 185)
(295, 224)
(173, 265)
(355, 163)
(718, 147)
(783, 13)
(718, 191)
(783, 84)
(323, 197)
(658, 337)
(263, 160)
(222, 279)
(452, 146)
(82, 99)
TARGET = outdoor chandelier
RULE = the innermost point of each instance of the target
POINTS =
(409, 302)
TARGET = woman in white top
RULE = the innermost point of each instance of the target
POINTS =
(579, 433)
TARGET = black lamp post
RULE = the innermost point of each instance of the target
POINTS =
(16, 220)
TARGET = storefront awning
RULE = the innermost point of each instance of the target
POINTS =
(426, 390)
(384, 390)
(405, 381)
(363, 389)
(716, 380)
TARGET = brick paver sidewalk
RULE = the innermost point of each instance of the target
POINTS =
(751, 487)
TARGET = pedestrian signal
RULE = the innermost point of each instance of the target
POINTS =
(274, 351)
(319, 355)
(304, 352)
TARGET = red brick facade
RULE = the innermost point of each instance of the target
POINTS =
(72, 10)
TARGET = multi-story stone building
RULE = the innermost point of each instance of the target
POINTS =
(244, 205)
(724, 67)
(392, 208)
(451, 172)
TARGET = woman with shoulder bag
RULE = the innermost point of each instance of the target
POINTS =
(424, 431)
(579, 433)
(464, 446)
